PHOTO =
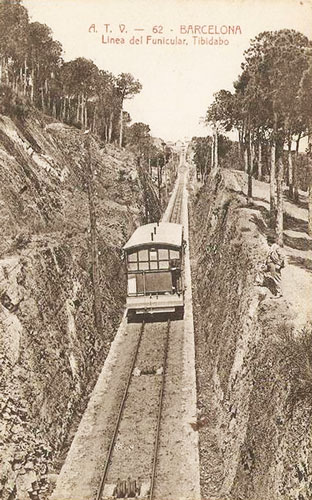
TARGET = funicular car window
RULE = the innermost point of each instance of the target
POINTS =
(133, 266)
(132, 257)
(174, 254)
(143, 255)
(163, 254)
(153, 255)
(151, 259)
(143, 266)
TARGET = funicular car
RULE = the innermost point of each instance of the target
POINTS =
(154, 257)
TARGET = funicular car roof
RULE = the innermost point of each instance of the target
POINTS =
(167, 233)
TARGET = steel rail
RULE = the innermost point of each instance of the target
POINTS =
(176, 209)
(160, 408)
(121, 408)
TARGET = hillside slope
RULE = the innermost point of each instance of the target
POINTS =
(253, 356)
(50, 350)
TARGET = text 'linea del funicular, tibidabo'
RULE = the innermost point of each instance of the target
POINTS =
(192, 34)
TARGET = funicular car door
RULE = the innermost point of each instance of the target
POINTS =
(158, 282)
(152, 283)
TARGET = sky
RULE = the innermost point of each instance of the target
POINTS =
(178, 80)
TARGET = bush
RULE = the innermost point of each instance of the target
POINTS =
(11, 104)
(21, 241)
(298, 356)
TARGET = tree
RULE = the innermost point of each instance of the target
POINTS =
(105, 105)
(138, 137)
(265, 109)
(76, 92)
(202, 155)
(219, 116)
(44, 59)
(127, 88)
(275, 63)
(79, 79)
(305, 103)
(13, 42)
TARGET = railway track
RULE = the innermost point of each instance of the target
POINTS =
(115, 481)
(130, 468)
(175, 215)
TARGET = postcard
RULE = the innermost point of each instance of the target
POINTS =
(155, 258)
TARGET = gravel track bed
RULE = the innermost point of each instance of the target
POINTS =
(133, 452)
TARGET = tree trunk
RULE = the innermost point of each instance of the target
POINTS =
(121, 126)
(260, 166)
(63, 112)
(110, 127)
(204, 172)
(94, 119)
(310, 205)
(21, 78)
(32, 85)
(309, 169)
(82, 114)
(94, 246)
(49, 100)
(216, 161)
(78, 108)
(54, 108)
(7, 80)
(250, 169)
(85, 118)
(273, 183)
(279, 202)
(295, 171)
(42, 100)
(240, 143)
(212, 153)
(105, 132)
(67, 115)
(25, 77)
(159, 180)
(290, 172)
(246, 158)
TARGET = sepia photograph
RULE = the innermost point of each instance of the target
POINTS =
(156, 249)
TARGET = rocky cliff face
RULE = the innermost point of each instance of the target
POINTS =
(50, 349)
(253, 369)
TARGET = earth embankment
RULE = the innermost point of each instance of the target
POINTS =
(253, 364)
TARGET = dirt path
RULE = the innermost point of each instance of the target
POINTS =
(297, 275)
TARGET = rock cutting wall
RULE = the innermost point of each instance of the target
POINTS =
(253, 369)
(50, 350)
